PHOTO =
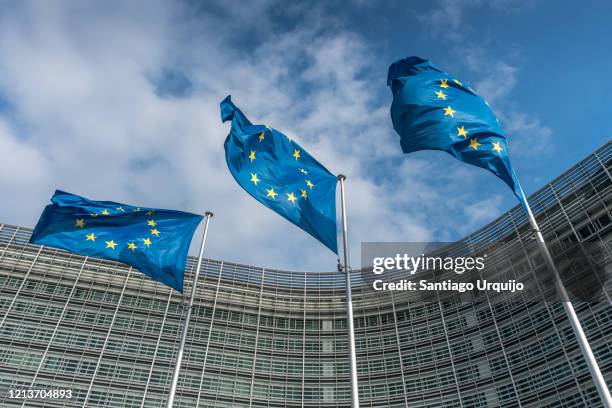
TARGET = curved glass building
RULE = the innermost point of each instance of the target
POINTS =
(270, 338)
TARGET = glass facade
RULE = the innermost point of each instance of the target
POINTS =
(270, 338)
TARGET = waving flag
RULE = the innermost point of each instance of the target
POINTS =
(433, 110)
(281, 175)
(153, 241)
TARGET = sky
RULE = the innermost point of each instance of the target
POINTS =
(120, 101)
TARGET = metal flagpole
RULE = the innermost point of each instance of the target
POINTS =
(349, 302)
(179, 358)
(583, 342)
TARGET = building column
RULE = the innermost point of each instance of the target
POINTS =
(110, 328)
(263, 271)
(161, 331)
(212, 320)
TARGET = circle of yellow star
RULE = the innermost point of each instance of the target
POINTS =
(254, 178)
(147, 242)
(291, 197)
(105, 212)
(449, 112)
(111, 244)
(79, 223)
(497, 147)
(441, 95)
(462, 132)
(252, 155)
(304, 195)
(131, 246)
(271, 193)
(296, 154)
(91, 237)
(474, 143)
(443, 83)
(309, 184)
(155, 232)
(262, 136)
(151, 223)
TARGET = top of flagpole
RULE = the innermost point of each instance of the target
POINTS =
(341, 177)
(209, 214)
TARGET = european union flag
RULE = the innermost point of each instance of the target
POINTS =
(281, 175)
(154, 241)
(433, 110)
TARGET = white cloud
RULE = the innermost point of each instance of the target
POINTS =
(446, 19)
(496, 82)
(530, 138)
(86, 118)
(24, 172)
(449, 19)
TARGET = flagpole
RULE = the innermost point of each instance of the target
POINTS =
(583, 342)
(349, 302)
(179, 358)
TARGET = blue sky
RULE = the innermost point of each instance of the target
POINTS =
(120, 101)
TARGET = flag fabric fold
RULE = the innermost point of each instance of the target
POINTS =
(281, 175)
(154, 241)
(432, 110)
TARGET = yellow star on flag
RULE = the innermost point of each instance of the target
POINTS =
(457, 82)
(271, 193)
(304, 195)
(120, 209)
(147, 242)
(111, 244)
(497, 147)
(79, 223)
(155, 232)
(474, 143)
(443, 83)
(449, 112)
(441, 95)
(252, 155)
(150, 212)
(105, 212)
(254, 178)
(303, 171)
(309, 184)
(91, 237)
(462, 132)
(131, 246)
(262, 136)
(296, 154)
(94, 215)
(291, 197)
(151, 223)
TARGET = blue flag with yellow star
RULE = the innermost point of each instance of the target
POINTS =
(281, 175)
(432, 110)
(153, 241)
